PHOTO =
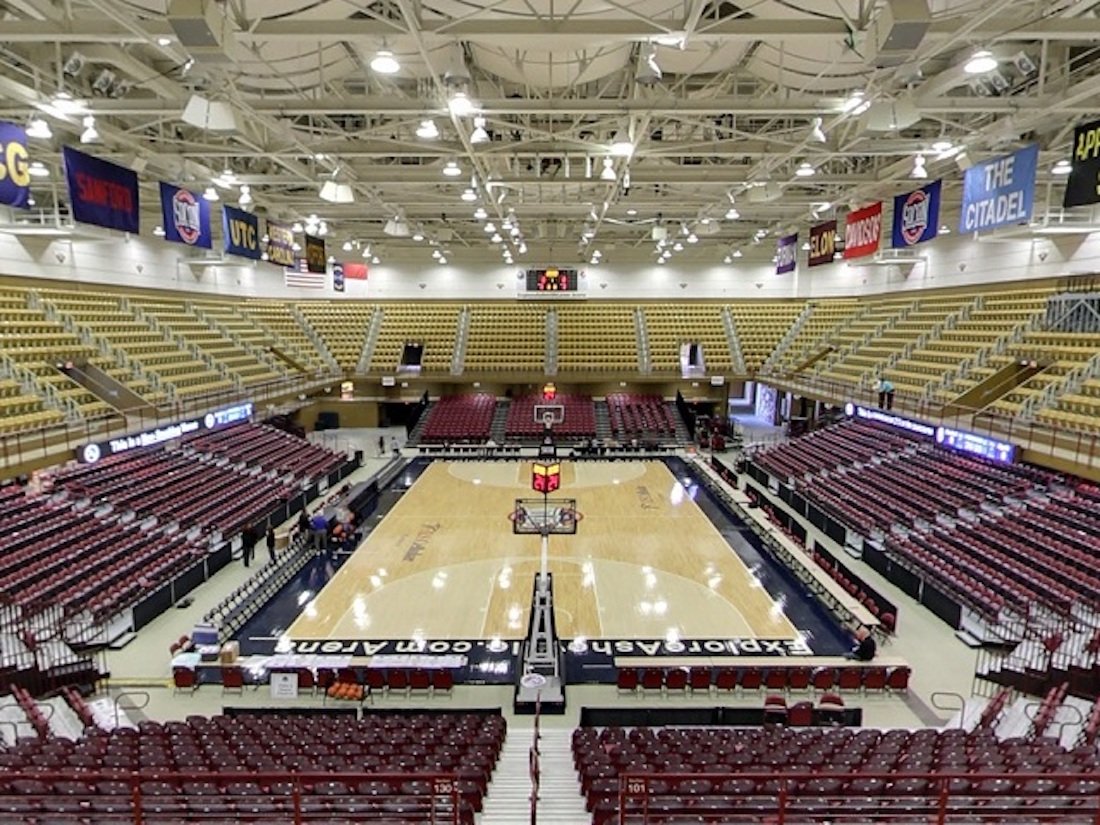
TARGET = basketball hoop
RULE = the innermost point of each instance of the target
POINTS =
(548, 419)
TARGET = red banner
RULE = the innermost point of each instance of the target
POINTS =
(862, 231)
(355, 271)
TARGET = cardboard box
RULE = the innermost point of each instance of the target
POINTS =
(231, 652)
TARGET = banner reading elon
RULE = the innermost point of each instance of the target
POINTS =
(822, 244)
(101, 192)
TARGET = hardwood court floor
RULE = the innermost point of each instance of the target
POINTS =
(645, 563)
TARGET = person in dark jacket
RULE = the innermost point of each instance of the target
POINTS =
(865, 648)
(271, 543)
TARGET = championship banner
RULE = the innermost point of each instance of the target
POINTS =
(1083, 183)
(242, 233)
(338, 277)
(185, 217)
(15, 180)
(786, 254)
(917, 215)
(280, 244)
(999, 192)
(862, 229)
(822, 243)
(101, 192)
(315, 254)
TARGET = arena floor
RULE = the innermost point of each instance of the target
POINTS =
(646, 563)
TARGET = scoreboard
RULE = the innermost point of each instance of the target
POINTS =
(552, 279)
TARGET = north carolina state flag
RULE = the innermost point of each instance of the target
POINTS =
(355, 272)
(862, 231)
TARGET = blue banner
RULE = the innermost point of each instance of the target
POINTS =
(15, 180)
(102, 192)
(786, 254)
(917, 215)
(186, 217)
(338, 277)
(999, 192)
(242, 233)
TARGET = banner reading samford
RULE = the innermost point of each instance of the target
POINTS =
(862, 231)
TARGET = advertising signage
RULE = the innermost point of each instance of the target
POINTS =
(91, 453)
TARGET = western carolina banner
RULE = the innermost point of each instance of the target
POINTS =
(102, 192)
(242, 233)
(999, 192)
(1083, 184)
(186, 217)
(315, 254)
(280, 244)
(822, 243)
(917, 215)
(862, 229)
(786, 254)
(355, 271)
(15, 180)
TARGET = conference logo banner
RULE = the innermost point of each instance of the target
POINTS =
(786, 254)
(999, 192)
(822, 243)
(315, 254)
(862, 230)
(101, 192)
(186, 217)
(917, 215)
(242, 233)
(280, 244)
(15, 180)
(338, 277)
(1083, 184)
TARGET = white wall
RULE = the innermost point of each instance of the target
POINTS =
(153, 263)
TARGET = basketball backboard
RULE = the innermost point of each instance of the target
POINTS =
(549, 415)
(535, 516)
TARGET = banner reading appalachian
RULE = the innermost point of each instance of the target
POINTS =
(1083, 185)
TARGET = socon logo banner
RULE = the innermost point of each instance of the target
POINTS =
(15, 180)
(186, 217)
(999, 192)
(917, 215)
(862, 230)
(101, 192)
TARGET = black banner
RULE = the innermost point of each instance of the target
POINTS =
(315, 254)
(822, 243)
(1083, 184)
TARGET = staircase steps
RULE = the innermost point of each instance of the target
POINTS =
(560, 801)
(682, 434)
(418, 430)
(603, 420)
(500, 418)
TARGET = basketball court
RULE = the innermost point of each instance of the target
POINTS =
(645, 563)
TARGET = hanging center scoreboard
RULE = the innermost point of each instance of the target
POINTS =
(552, 282)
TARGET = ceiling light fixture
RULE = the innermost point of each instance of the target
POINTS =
(817, 134)
(480, 214)
(461, 105)
(919, 172)
(158, 231)
(427, 130)
(396, 227)
(246, 195)
(468, 195)
(980, 62)
(737, 253)
(732, 214)
(334, 192)
(522, 248)
(39, 129)
(384, 62)
(479, 135)
(942, 146)
(496, 238)
(805, 170)
(621, 145)
(38, 169)
(451, 169)
(692, 238)
(648, 73)
(90, 133)
(211, 194)
(64, 103)
(1062, 167)
(346, 246)
(608, 171)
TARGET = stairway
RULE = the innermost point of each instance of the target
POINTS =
(560, 801)
(500, 418)
(682, 434)
(603, 420)
(418, 430)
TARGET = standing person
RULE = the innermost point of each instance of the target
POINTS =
(381, 445)
(319, 525)
(395, 448)
(248, 544)
(271, 543)
(303, 522)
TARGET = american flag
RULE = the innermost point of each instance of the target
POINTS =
(299, 276)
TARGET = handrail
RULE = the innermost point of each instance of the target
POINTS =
(961, 709)
(117, 702)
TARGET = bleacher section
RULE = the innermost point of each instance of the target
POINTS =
(760, 327)
(342, 326)
(824, 323)
(639, 416)
(668, 326)
(992, 534)
(460, 419)
(823, 774)
(597, 339)
(269, 449)
(262, 768)
(580, 417)
(277, 320)
(433, 325)
(509, 338)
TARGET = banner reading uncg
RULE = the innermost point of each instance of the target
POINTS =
(15, 180)
(917, 215)
(186, 217)
(999, 192)
(242, 233)
(101, 192)
(862, 229)
(1083, 183)
(786, 254)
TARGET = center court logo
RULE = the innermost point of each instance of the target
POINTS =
(914, 216)
(186, 216)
